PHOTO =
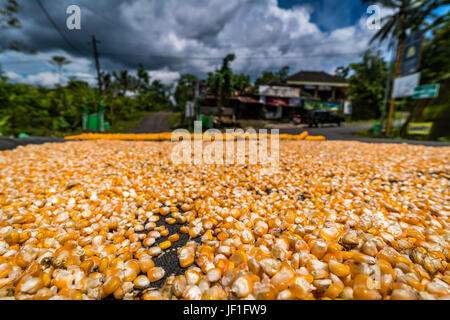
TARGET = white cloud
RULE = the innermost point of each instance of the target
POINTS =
(37, 70)
(165, 76)
(46, 79)
(172, 37)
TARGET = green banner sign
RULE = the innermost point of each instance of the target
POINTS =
(426, 92)
(314, 105)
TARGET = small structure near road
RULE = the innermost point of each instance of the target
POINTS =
(303, 91)
(320, 85)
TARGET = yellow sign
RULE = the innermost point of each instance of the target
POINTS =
(422, 128)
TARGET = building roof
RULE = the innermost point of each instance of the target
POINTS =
(277, 102)
(245, 99)
(315, 77)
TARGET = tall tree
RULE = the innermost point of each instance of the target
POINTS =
(124, 81)
(342, 71)
(185, 90)
(408, 16)
(220, 82)
(60, 62)
(268, 76)
(366, 85)
(241, 83)
(435, 55)
(143, 79)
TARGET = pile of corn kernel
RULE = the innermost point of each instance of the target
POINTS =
(338, 220)
(168, 136)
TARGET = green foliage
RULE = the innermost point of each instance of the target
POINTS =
(174, 120)
(59, 62)
(46, 112)
(128, 123)
(367, 86)
(184, 90)
(240, 82)
(220, 82)
(223, 83)
(407, 16)
(267, 76)
(435, 56)
(9, 10)
(438, 112)
(8, 14)
(342, 72)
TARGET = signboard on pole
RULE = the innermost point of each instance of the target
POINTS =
(281, 92)
(426, 92)
(404, 86)
(411, 53)
(347, 107)
(422, 128)
(190, 113)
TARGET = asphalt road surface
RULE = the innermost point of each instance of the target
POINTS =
(157, 123)
(153, 123)
(12, 143)
(348, 131)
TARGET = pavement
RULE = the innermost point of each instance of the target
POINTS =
(153, 123)
(347, 132)
(12, 143)
(156, 123)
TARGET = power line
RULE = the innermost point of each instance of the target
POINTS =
(325, 55)
(237, 56)
(55, 26)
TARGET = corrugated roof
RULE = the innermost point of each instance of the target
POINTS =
(315, 76)
(245, 99)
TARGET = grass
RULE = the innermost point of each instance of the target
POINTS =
(174, 120)
(120, 126)
(362, 121)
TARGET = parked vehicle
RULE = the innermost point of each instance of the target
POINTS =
(297, 119)
(316, 117)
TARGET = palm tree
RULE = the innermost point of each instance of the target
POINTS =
(60, 62)
(125, 81)
(409, 16)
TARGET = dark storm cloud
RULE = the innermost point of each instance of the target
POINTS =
(192, 35)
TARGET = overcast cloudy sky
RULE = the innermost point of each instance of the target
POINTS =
(172, 37)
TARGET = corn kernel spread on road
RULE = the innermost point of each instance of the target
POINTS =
(339, 220)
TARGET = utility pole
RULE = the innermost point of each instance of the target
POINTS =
(97, 63)
(387, 90)
(398, 62)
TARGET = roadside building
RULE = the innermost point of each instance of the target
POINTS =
(279, 101)
(303, 91)
(325, 90)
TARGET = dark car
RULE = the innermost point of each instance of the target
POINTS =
(316, 117)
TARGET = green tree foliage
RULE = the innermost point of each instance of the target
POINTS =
(223, 83)
(367, 85)
(184, 90)
(435, 56)
(267, 76)
(342, 71)
(44, 111)
(436, 69)
(407, 16)
(8, 19)
(60, 62)
(241, 83)
(220, 82)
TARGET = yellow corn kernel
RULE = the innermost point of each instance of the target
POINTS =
(165, 245)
